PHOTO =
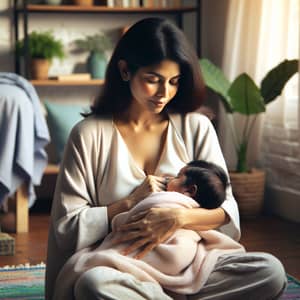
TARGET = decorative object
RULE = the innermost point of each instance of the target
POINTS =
(243, 96)
(28, 282)
(42, 47)
(97, 45)
(7, 244)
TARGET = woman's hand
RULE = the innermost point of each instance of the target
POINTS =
(147, 229)
(150, 184)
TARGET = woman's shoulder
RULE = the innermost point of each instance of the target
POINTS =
(92, 128)
(195, 120)
(197, 117)
(93, 124)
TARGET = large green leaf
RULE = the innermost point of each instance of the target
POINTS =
(216, 81)
(275, 80)
(245, 96)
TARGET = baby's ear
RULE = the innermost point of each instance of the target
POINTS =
(191, 190)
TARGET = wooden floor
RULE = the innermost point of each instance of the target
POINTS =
(269, 234)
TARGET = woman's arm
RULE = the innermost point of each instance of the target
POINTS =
(77, 217)
(200, 219)
(202, 142)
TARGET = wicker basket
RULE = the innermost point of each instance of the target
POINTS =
(248, 190)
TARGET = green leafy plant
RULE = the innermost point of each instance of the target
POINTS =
(42, 45)
(243, 96)
(98, 42)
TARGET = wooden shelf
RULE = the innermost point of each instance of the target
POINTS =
(54, 82)
(97, 9)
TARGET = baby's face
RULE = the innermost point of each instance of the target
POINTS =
(176, 184)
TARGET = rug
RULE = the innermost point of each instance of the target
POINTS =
(22, 282)
(27, 282)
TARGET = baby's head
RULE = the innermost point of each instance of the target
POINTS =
(203, 181)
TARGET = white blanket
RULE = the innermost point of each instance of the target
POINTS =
(182, 264)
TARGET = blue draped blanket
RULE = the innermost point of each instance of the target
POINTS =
(23, 136)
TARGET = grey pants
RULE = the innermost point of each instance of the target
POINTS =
(251, 275)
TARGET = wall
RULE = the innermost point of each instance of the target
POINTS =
(281, 158)
(6, 37)
(213, 23)
(280, 152)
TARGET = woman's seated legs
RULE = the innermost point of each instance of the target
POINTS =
(107, 283)
(247, 276)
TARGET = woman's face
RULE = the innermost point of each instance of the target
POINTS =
(153, 87)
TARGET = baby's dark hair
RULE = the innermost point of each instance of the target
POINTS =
(211, 181)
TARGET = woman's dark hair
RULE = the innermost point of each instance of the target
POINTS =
(146, 43)
(211, 181)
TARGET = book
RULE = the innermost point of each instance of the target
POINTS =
(134, 3)
(118, 3)
(125, 3)
(75, 76)
(148, 3)
(110, 3)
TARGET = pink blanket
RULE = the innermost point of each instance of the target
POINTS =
(182, 264)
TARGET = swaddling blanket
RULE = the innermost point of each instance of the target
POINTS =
(181, 264)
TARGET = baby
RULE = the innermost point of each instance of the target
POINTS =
(203, 181)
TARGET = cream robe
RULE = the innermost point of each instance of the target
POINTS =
(98, 169)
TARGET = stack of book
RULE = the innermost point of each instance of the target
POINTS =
(144, 3)
(73, 77)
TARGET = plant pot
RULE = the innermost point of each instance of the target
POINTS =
(83, 2)
(248, 190)
(96, 65)
(39, 68)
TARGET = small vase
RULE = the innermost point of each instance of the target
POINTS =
(96, 65)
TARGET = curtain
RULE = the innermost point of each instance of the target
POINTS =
(259, 35)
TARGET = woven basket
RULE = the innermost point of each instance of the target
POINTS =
(248, 190)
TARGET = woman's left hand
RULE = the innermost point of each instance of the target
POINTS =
(147, 229)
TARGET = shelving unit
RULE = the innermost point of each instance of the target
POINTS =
(25, 9)
(22, 13)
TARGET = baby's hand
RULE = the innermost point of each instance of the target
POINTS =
(150, 184)
(168, 178)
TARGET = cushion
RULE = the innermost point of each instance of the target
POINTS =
(61, 119)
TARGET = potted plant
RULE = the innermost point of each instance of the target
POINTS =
(42, 48)
(96, 45)
(244, 97)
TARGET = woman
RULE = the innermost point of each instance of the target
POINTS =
(117, 156)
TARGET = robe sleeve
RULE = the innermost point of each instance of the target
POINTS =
(78, 219)
(199, 132)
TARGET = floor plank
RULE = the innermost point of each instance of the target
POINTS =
(268, 234)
